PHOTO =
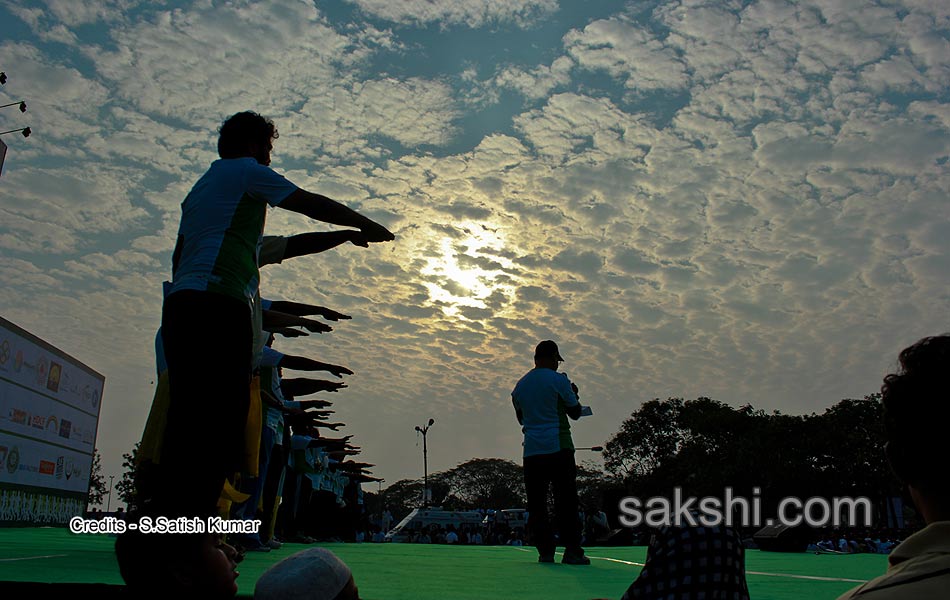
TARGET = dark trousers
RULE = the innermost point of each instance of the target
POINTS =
(207, 339)
(541, 472)
(272, 487)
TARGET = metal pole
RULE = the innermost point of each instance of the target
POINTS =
(425, 462)
(26, 131)
(425, 470)
(109, 505)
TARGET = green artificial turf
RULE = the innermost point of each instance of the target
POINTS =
(421, 572)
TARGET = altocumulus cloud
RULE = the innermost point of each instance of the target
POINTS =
(743, 201)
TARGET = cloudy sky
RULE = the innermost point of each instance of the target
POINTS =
(746, 200)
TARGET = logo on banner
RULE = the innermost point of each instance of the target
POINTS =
(18, 361)
(55, 373)
(13, 459)
(59, 468)
(65, 428)
(20, 417)
(47, 467)
(42, 370)
(4, 352)
(52, 424)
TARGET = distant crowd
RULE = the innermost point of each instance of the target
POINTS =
(880, 541)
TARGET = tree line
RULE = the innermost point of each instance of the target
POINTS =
(700, 446)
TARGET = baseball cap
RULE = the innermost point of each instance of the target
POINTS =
(312, 574)
(547, 349)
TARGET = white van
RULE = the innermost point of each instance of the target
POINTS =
(514, 518)
(422, 518)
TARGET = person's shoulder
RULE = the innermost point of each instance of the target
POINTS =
(523, 379)
(230, 164)
(229, 169)
(541, 376)
(923, 572)
(245, 165)
(894, 585)
(552, 376)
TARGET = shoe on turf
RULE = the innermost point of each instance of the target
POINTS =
(546, 558)
(258, 547)
(572, 558)
(273, 544)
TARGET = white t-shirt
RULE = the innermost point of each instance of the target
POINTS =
(222, 222)
(543, 397)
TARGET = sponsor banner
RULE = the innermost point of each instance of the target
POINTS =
(28, 462)
(49, 413)
(26, 414)
(30, 363)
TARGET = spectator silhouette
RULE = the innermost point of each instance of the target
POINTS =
(181, 565)
(692, 563)
(916, 413)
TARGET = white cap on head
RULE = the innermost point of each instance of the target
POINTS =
(312, 574)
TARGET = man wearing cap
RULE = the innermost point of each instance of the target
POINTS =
(312, 574)
(543, 400)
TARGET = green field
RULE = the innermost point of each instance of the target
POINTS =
(421, 572)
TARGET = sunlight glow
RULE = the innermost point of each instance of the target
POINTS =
(459, 281)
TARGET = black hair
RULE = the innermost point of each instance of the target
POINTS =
(916, 412)
(242, 129)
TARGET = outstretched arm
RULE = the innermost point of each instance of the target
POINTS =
(321, 241)
(305, 404)
(319, 414)
(304, 387)
(330, 426)
(321, 208)
(288, 332)
(302, 310)
(302, 363)
(275, 319)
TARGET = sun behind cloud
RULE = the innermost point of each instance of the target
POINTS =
(468, 269)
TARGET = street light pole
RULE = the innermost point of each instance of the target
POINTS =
(26, 131)
(109, 505)
(425, 463)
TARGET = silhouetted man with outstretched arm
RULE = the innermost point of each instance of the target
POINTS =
(215, 281)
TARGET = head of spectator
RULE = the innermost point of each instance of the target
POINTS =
(916, 412)
(189, 565)
(312, 574)
(692, 562)
(247, 134)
